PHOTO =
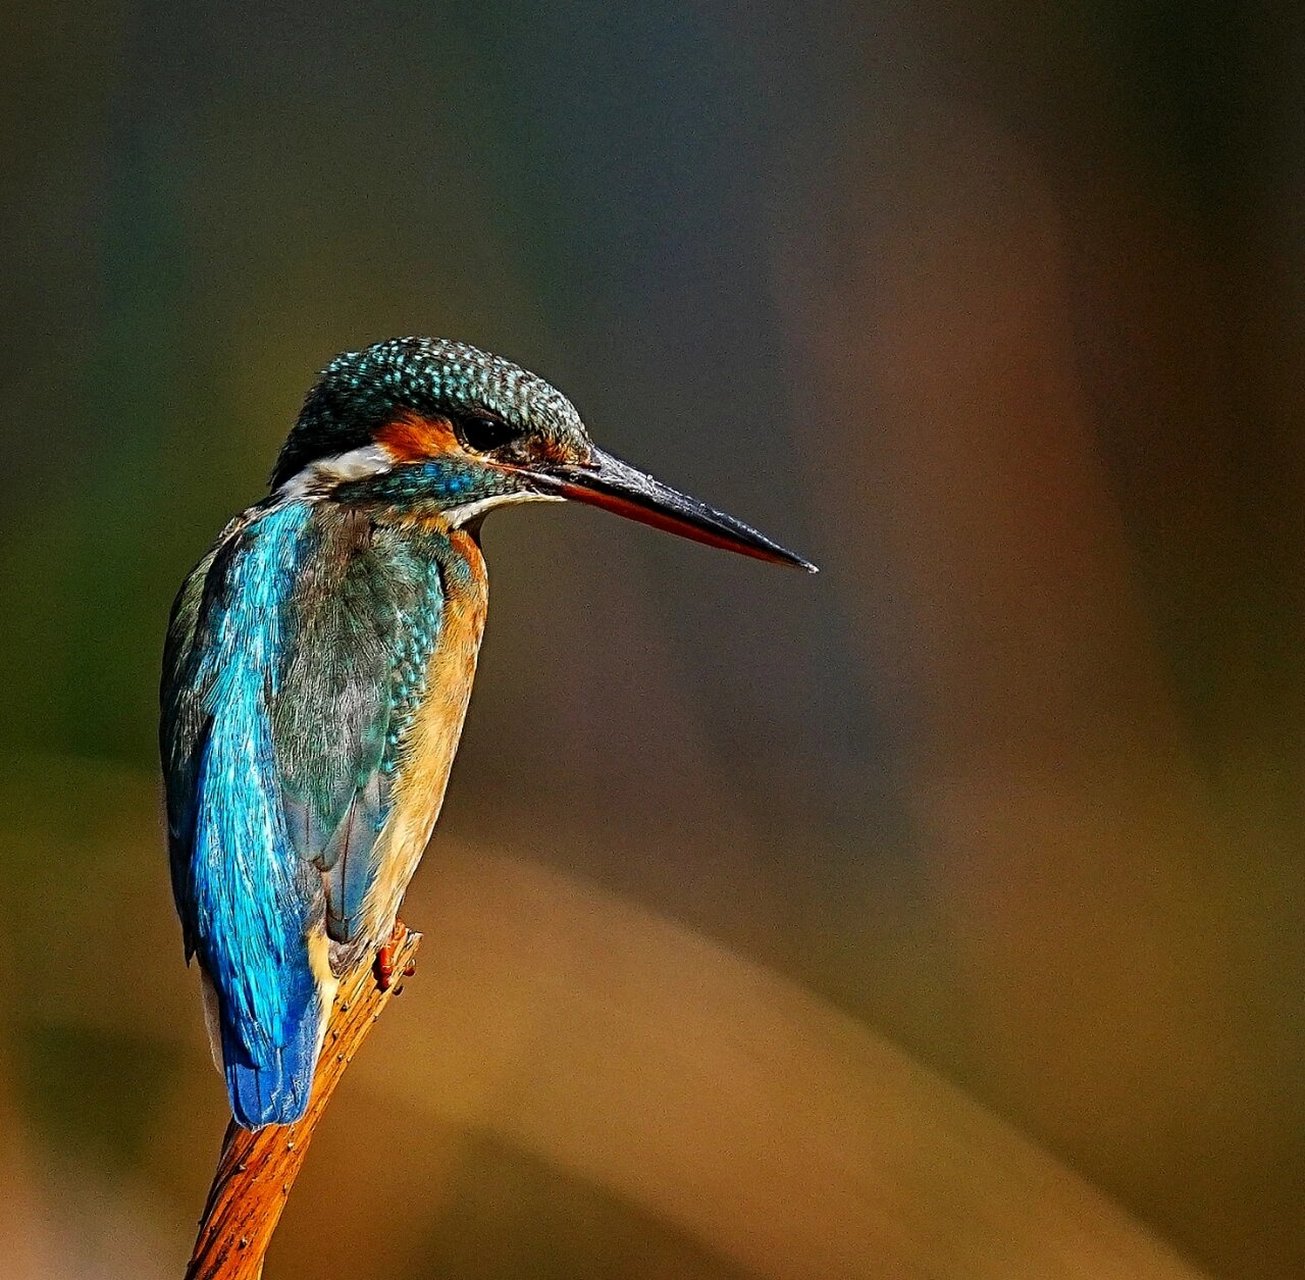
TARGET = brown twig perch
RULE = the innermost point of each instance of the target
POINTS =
(256, 1170)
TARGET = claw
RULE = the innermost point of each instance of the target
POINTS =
(385, 954)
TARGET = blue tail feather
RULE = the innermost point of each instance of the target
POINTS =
(274, 1090)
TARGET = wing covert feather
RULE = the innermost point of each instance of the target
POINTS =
(349, 689)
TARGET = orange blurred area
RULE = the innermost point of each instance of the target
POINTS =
(938, 915)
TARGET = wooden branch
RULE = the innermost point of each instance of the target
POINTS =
(256, 1170)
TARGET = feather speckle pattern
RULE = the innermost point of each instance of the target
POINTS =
(360, 391)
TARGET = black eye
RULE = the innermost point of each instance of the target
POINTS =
(482, 433)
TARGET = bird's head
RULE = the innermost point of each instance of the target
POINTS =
(439, 427)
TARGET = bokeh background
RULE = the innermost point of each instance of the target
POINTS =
(937, 915)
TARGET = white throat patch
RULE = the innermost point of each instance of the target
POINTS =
(458, 516)
(317, 477)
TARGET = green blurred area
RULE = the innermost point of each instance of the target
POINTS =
(995, 314)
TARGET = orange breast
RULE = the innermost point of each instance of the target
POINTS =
(432, 739)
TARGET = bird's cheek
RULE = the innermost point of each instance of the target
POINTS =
(410, 437)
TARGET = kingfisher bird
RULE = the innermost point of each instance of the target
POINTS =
(318, 665)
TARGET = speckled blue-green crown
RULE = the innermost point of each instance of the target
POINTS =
(359, 391)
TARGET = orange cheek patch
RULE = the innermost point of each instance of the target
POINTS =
(410, 438)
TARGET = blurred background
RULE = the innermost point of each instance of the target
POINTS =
(937, 915)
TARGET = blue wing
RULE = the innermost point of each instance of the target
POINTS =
(288, 682)
(245, 899)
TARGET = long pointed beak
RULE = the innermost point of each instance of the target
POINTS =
(605, 481)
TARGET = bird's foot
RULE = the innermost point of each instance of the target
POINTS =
(385, 955)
